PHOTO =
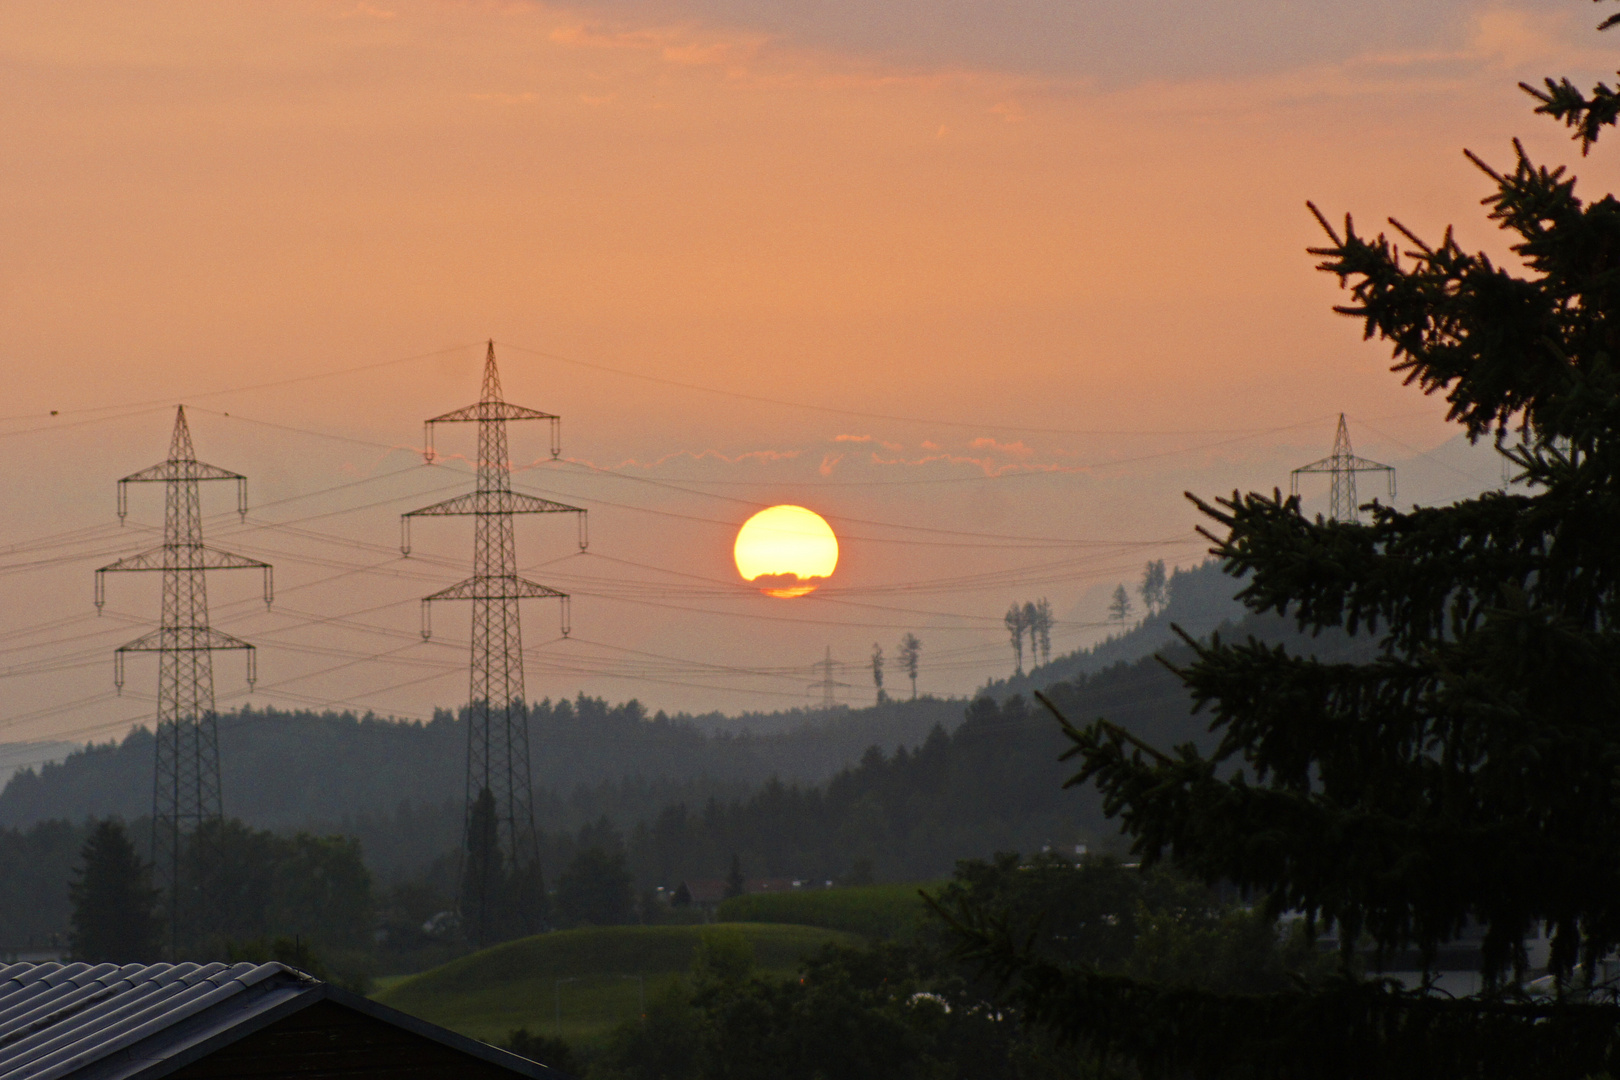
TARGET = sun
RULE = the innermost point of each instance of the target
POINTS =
(786, 551)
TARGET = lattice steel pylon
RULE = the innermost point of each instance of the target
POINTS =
(1343, 465)
(185, 785)
(497, 729)
(829, 698)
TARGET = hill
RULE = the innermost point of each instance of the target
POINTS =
(593, 978)
(991, 783)
(874, 911)
(302, 769)
(1201, 602)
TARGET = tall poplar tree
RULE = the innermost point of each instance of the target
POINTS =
(1468, 774)
(1014, 622)
(910, 652)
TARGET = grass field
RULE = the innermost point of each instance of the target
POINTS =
(595, 977)
(880, 911)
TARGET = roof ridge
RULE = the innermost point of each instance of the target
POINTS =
(95, 1021)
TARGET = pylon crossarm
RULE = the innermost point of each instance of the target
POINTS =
(184, 639)
(492, 410)
(504, 587)
(427, 608)
(173, 471)
(496, 410)
(491, 502)
(199, 558)
(165, 471)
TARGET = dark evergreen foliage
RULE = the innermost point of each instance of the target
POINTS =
(261, 886)
(596, 889)
(114, 902)
(483, 875)
(36, 867)
(1465, 769)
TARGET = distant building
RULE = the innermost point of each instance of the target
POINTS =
(703, 892)
(197, 1021)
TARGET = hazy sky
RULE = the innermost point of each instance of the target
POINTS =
(1025, 271)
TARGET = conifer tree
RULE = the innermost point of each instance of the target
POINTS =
(483, 885)
(1469, 772)
(736, 884)
(1120, 608)
(114, 902)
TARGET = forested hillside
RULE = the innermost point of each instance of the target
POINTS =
(284, 769)
(905, 809)
(1200, 602)
(303, 769)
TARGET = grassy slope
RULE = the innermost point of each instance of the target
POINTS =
(488, 994)
(882, 911)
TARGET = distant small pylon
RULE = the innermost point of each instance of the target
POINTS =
(829, 699)
(185, 791)
(1343, 466)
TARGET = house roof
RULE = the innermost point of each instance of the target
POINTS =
(143, 1021)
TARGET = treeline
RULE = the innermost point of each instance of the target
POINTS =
(316, 770)
(991, 783)
(994, 783)
(246, 885)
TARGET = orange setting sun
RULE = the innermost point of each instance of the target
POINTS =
(786, 551)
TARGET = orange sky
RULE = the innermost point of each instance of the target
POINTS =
(1010, 228)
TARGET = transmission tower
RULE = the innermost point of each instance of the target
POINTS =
(1343, 465)
(500, 841)
(185, 786)
(826, 683)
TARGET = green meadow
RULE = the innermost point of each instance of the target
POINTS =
(580, 983)
(873, 911)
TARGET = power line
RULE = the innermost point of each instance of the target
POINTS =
(861, 414)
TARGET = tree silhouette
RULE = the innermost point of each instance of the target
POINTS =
(1464, 770)
(1119, 608)
(1014, 621)
(736, 885)
(114, 902)
(910, 652)
(483, 880)
(1041, 629)
(1155, 590)
(877, 672)
(595, 889)
(1032, 627)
